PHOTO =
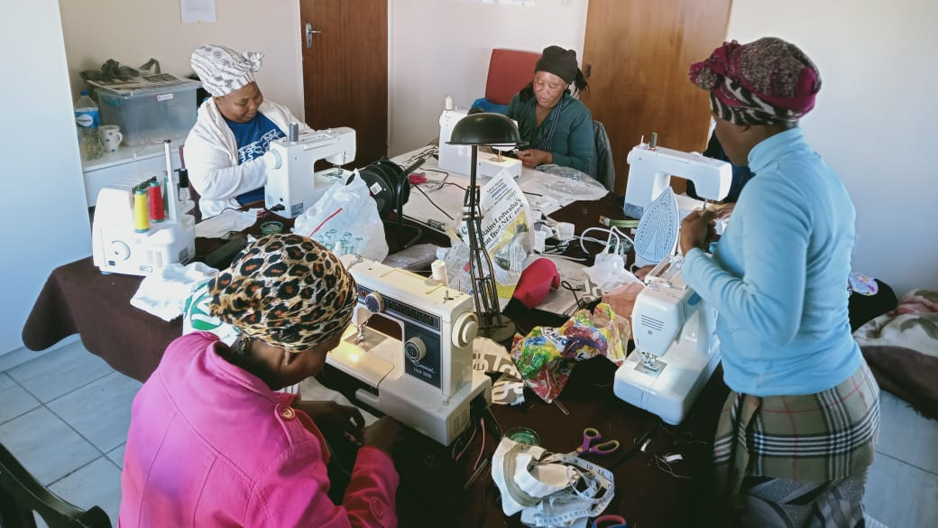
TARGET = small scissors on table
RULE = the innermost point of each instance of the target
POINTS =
(590, 437)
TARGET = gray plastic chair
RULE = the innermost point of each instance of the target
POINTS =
(603, 168)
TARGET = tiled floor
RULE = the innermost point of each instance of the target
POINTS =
(64, 414)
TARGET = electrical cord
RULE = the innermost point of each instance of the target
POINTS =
(481, 449)
(614, 234)
(422, 155)
(440, 209)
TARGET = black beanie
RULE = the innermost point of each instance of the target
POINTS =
(558, 61)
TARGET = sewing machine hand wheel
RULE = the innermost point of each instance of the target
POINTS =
(374, 302)
(465, 329)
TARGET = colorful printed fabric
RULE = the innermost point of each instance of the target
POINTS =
(546, 356)
(763, 82)
(197, 317)
(286, 290)
(806, 438)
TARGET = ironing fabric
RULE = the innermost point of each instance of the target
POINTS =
(798, 430)
(212, 442)
(557, 127)
(224, 150)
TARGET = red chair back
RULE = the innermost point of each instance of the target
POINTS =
(509, 72)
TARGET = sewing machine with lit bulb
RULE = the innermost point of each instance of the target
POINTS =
(458, 158)
(410, 345)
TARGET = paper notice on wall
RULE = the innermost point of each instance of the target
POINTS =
(507, 228)
(193, 11)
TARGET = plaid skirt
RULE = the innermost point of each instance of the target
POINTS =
(827, 436)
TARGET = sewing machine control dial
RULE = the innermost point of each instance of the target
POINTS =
(415, 349)
(119, 250)
(374, 302)
(465, 329)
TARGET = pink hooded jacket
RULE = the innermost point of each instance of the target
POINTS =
(211, 445)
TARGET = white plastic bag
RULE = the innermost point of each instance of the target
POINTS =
(346, 217)
(608, 271)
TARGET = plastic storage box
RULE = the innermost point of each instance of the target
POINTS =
(149, 109)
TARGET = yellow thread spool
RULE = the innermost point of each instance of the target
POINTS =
(141, 211)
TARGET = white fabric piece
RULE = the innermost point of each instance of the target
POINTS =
(211, 154)
(543, 486)
(489, 356)
(164, 294)
(220, 225)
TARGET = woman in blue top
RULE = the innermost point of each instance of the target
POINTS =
(557, 127)
(799, 428)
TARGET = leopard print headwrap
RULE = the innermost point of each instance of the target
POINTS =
(764, 82)
(286, 290)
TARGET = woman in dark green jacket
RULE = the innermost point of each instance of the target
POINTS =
(557, 127)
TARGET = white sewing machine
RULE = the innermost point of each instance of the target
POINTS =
(117, 248)
(410, 343)
(650, 171)
(676, 348)
(458, 158)
(292, 184)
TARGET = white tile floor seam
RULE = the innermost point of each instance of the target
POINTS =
(54, 413)
(81, 458)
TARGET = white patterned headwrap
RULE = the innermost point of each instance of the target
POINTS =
(223, 70)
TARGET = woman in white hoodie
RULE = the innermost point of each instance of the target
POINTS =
(224, 151)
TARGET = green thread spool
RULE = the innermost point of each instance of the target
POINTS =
(272, 227)
(525, 436)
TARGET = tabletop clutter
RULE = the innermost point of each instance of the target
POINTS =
(533, 265)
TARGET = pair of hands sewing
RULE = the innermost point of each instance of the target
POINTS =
(532, 158)
(385, 434)
(699, 227)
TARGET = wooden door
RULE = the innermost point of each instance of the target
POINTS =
(345, 70)
(636, 57)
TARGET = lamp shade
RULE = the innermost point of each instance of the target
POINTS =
(485, 128)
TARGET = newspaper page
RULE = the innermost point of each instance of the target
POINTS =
(507, 228)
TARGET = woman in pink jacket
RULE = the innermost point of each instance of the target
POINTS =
(212, 444)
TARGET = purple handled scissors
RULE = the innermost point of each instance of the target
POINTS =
(590, 437)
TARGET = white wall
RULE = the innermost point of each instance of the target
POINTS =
(437, 47)
(874, 119)
(45, 222)
(132, 31)
(442, 47)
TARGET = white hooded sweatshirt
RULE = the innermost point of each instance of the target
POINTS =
(211, 157)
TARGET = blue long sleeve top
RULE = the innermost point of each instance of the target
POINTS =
(778, 276)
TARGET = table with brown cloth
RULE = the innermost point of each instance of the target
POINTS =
(78, 298)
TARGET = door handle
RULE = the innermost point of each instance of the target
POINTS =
(589, 70)
(309, 35)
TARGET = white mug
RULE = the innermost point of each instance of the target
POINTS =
(111, 137)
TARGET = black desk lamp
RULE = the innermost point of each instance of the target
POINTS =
(494, 130)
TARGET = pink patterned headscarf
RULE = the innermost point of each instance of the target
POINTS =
(764, 82)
